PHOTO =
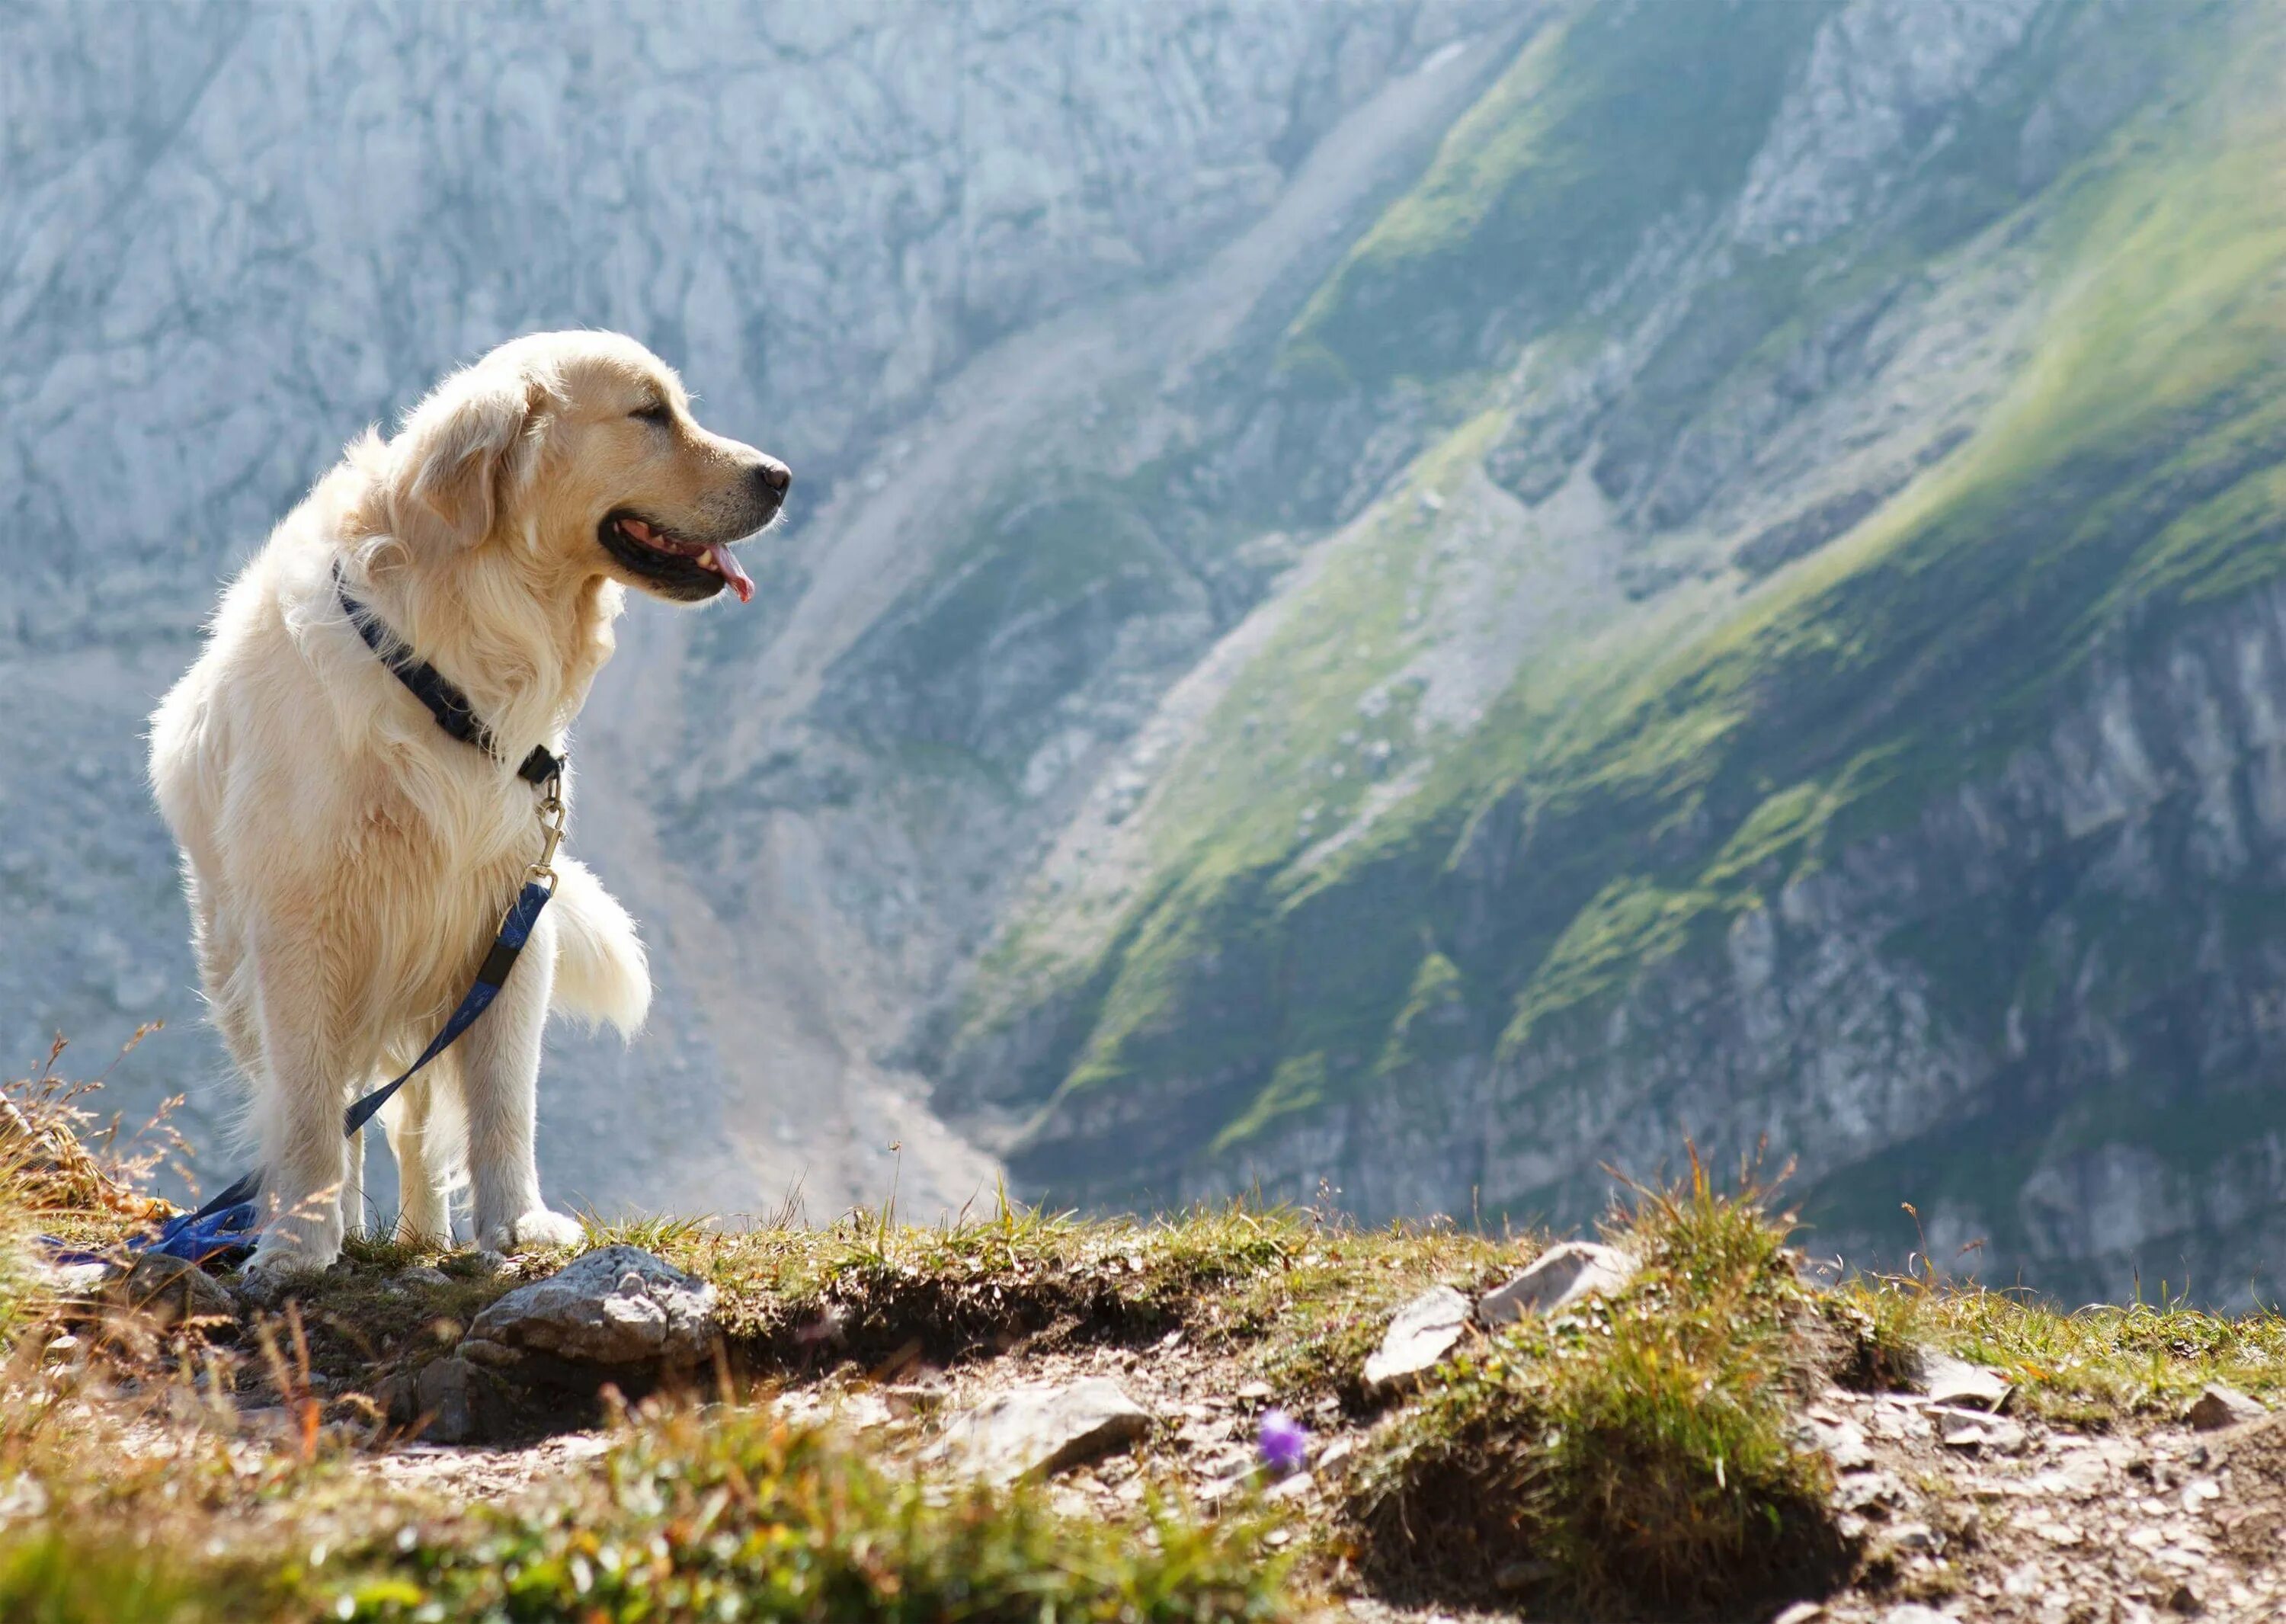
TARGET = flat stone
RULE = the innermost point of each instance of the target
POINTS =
(170, 1291)
(1866, 1492)
(1035, 1431)
(1421, 1334)
(452, 1398)
(1916, 1612)
(1947, 1380)
(2079, 1474)
(1911, 1536)
(1558, 1278)
(1801, 1612)
(1844, 1443)
(617, 1307)
(1291, 1488)
(481, 1351)
(1959, 1429)
(2217, 1406)
(77, 1282)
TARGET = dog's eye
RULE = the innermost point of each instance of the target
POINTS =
(657, 412)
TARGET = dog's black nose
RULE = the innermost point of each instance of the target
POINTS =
(774, 477)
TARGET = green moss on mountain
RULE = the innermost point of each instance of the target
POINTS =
(1608, 121)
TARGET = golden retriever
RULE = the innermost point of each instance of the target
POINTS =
(347, 861)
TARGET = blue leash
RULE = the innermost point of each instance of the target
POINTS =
(515, 931)
(221, 1231)
(223, 1228)
(216, 1232)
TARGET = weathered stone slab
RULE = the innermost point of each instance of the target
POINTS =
(2217, 1406)
(1423, 1332)
(1558, 1278)
(1978, 1429)
(1947, 1380)
(618, 1307)
(168, 1291)
(1034, 1431)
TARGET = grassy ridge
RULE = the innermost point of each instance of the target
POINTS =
(1635, 1456)
(1630, 1458)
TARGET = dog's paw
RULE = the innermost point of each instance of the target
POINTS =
(535, 1230)
(280, 1257)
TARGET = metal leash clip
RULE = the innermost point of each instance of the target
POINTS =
(552, 815)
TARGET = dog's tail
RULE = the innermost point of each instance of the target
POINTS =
(601, 971)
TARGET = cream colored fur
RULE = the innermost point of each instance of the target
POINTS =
(346, 861)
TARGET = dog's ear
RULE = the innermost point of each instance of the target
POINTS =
(460, 453)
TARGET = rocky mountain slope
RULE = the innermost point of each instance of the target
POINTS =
(1413, 597)
(1792, 659)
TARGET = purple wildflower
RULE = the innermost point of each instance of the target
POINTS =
(1284, 1442)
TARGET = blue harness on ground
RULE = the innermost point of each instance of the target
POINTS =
(223, 1227)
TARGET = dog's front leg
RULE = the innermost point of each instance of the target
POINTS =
(500, 1079)
(298, 1100)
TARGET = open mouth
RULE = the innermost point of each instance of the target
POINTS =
(687, 570)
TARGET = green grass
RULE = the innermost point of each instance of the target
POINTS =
(53, 1575)
(737, 1517)
(724, 1514)
(1630, 1456)
(2100, 1366)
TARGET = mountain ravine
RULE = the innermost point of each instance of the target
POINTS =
(1398, 602)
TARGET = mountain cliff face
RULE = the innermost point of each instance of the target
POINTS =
(1416, 597)
(1797, 667)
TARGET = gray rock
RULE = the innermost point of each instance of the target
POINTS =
(2217, 1406)
(1524, 1575)
(1911, 1536)
(1947, 1380)
(1844, 1443)
(77, 1282)
(1872, 1493)
(1961, 1429)
(453, 1399)
(618, 1307)
(1423, 1332)
(1801, 1613)
(1035, 1431)
(170, 1291)
(1560, 1277)
(1916, 1612)
(421, 1277)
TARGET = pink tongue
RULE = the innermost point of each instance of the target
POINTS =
(741, 583)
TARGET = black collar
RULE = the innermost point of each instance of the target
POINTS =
(446, 701)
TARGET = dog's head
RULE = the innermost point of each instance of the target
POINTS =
(579, 448)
